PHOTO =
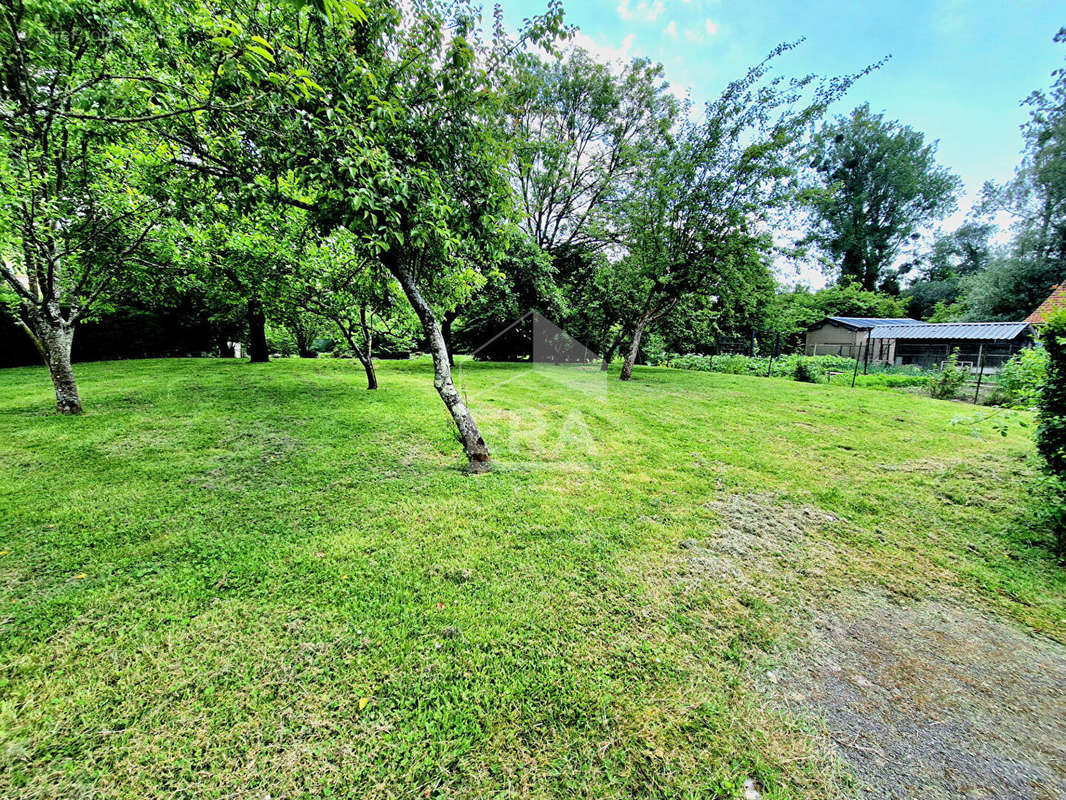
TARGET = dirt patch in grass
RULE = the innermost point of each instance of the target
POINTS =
(758, 534)
(936, 701)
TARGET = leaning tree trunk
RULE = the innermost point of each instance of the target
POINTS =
(477, 452)
(446, 332)
(258, 351)
(634, 349)
(53, 338)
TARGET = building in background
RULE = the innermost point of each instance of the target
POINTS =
(924, 344)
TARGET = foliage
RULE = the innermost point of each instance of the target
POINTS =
(808, 370)
(788, 366)
(695, 217)
(1014, 284)
(938, 277)
(946, 383)
(1051, 431)
(792, 311)
(579, 133)
(1021, 277)
(879, 184)
(1022, 378)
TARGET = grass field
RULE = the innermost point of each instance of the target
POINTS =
(234, 580)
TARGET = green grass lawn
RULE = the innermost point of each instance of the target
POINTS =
(234, 580)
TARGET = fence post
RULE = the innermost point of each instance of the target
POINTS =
(773, 354)
(980, 371)
(866, 360)
(858, 357)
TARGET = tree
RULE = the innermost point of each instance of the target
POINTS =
(1014, 283)
(879, 184)
(87, 88)
(940, 274)
(579, 132)
(336, 283)
(1040, 187)
(402, 148)
(70, 213)
(696, 214)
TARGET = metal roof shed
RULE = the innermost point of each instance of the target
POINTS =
(927, 344)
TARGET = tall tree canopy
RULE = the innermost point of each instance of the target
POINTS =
(696, 218)
(879, 184)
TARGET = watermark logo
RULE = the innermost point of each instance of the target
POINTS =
(537, 416)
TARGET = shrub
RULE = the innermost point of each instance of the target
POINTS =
(1021, 378)
(1051, 432)
(783, 367)
(945, 385)
(808, 370)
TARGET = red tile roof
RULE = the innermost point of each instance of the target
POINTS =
(1055, 301)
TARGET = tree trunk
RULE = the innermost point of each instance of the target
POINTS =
(634, 349)
(54, 339)
(609, 354)
(258, 352)
(477, 452)
(303, 342)
(446, 332)
(371, 375)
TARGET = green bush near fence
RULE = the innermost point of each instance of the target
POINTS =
(948, 382)
(1020, 380)
(783, 367)
(884, 379)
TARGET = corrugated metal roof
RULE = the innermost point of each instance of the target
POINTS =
(1004, 331)
(873, 322)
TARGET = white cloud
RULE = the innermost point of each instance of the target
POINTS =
(711, 26)
(606, 53)
(671, 30)
(644, 10)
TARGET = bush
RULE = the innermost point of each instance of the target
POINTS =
(945, 385)
(1051, 432)
(783, 367)
(1020, 380)
(808, 370)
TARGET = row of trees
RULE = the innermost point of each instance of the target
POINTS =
(394, 173)
(389, 168)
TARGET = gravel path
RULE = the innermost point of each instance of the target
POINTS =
(930, 701)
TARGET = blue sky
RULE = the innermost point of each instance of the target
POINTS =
(958, 71)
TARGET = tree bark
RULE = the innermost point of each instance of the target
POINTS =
(258, 352)
(446, 332)
(634, 349)
(53, 337)
(371, 375)
(365, 358)
(477, 452)
(609, 353)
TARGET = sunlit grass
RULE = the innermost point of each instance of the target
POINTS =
(234, 580)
